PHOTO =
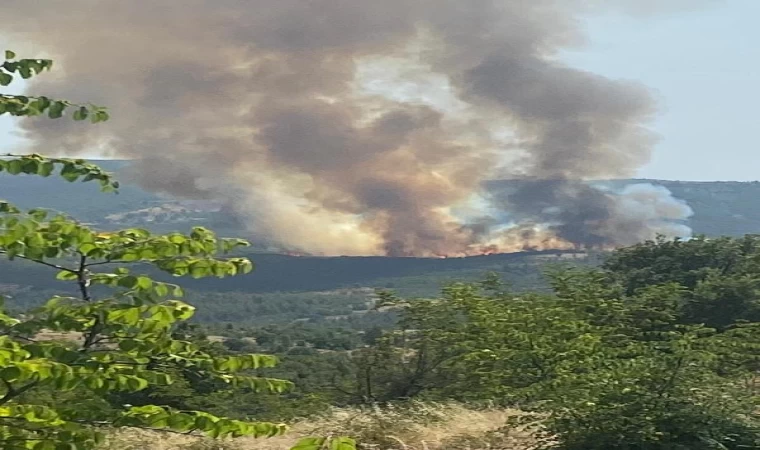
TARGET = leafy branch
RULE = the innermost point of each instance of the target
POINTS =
(22, 105)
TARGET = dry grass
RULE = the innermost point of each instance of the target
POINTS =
(47, 335)
(419, 427)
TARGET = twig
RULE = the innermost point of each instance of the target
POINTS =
(44, 263)
(14, 392)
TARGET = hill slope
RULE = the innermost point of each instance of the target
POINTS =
(720, 208)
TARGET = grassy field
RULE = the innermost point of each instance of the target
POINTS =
(419, 427)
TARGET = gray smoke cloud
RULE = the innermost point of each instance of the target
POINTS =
(593, 215)
(354, 126)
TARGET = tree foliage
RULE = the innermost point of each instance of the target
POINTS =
(121, 325)
(22, 105)
(720, 277)
(600, 369)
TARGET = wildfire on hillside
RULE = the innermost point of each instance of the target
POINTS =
(512, 240)
(362, 127)
(296, 254)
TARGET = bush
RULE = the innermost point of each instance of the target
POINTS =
(670, 425)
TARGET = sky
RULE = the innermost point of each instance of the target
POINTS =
(703, 66)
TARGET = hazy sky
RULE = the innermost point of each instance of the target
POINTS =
(705, 68)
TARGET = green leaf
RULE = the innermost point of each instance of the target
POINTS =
(56, 109)
(342, 443)
(70, 172)
(128, 282)
(161, 289)
(200, 269)
(181, 422)
(99, 116)
(24, 70)
(5, 79)
(66, 275)
(10, 373)
(14, 167)
(9, 54)
(36, 65)
(310, 443)
(6, 207)
(45, 169)
(30, 166)
(81, 113)
(87, 248)
(177, 239)
(205, 423)
(38, 214)
(127, 344)
(130, 256)
(144, 283)
(136, 384)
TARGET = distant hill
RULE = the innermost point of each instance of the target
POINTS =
(283, 273)
(720, 207)
(80, 200)
(132, 206)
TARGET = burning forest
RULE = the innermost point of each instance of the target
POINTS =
(345, 127)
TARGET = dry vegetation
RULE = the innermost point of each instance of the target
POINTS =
(420, 427)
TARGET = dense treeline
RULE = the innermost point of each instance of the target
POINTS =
(283, 273)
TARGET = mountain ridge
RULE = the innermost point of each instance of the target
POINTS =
(720, 207)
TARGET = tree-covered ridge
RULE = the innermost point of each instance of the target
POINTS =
(721, 208)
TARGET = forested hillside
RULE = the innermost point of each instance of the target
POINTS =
(721, 208)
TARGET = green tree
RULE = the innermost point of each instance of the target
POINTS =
(651, 382)
(121, 326)
(601, 369)
(720, 277)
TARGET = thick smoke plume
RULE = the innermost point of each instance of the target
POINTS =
(586, 215)
(357, 126)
